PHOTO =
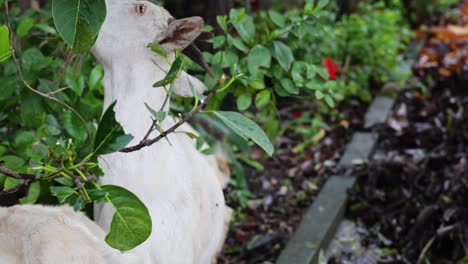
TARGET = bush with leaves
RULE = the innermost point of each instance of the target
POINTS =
(307, 54)
(263, 48)
(49, 111)
(367, 44)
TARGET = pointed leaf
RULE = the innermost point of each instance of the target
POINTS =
(5, 50)
(283, 55)
(246, 128)
(110, 136)
(258, 57)
(173, 73)
(79, 21)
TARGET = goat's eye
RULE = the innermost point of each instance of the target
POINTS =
(140, 9)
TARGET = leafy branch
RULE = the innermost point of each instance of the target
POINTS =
(145, 142)
(49, 96)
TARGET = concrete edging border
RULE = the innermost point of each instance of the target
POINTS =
(322, 219)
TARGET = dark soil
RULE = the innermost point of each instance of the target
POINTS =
(413, 198)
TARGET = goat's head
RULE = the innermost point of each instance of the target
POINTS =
(131, 25)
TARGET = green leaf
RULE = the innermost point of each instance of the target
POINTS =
(79, 21)
(157, 115)
(74, 126)
(63, 193)
(259, 56)
(95, 77)
(173, 73)
(158, 49)
(11, 182)
(329, 100)
(246, 128)
(289, 86)
(319, 95)
(283, 55)
(64, 181)
(237, 43)
(31, 110)
(110, 136)
(23, 140)
(5, 50)
(222, 22)
(262, 98)
(24, 26)
(218, 41)
(323, 3)
(246, 28)
(244, 101)
(13, 163)
(277, 18)
(131, 224)
(97, 195)
(34, 192)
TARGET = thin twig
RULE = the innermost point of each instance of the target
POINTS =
(20, 73)
(148, 142)
(16, 188)
(425, 249)
(16, 175)
(59, 90)
(28, 179)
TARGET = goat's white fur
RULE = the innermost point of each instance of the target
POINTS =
(178, 184)
(34, 234)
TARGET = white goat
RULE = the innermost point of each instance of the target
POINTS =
(178, 184)
(34, 234)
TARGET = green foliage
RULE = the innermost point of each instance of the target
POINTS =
(56, 140)
(5, 51)
(367, 45)
(131, 224)
(419, 11)
(245, 128)
(78, 21)
(43, 138)
(110, 136)
(263, 49)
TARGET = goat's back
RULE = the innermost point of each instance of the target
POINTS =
(34, 234)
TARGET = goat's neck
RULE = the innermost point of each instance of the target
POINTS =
(130, 83)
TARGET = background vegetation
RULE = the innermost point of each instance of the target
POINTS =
(327, 54)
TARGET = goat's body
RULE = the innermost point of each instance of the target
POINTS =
(33, 234)
(177, 183)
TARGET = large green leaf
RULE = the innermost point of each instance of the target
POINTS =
(110, 136)
(5, 51)
(283, 55)
(131, 224)
(246, 128)
(79, 21)
(259, 56)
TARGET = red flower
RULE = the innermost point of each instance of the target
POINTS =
(297, 114)
(332, 68)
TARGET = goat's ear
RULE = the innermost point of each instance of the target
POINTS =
(181, 33)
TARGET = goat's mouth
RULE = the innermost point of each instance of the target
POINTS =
(194, 53)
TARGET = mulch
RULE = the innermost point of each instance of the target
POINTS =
(292, 178)
(413, 198)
